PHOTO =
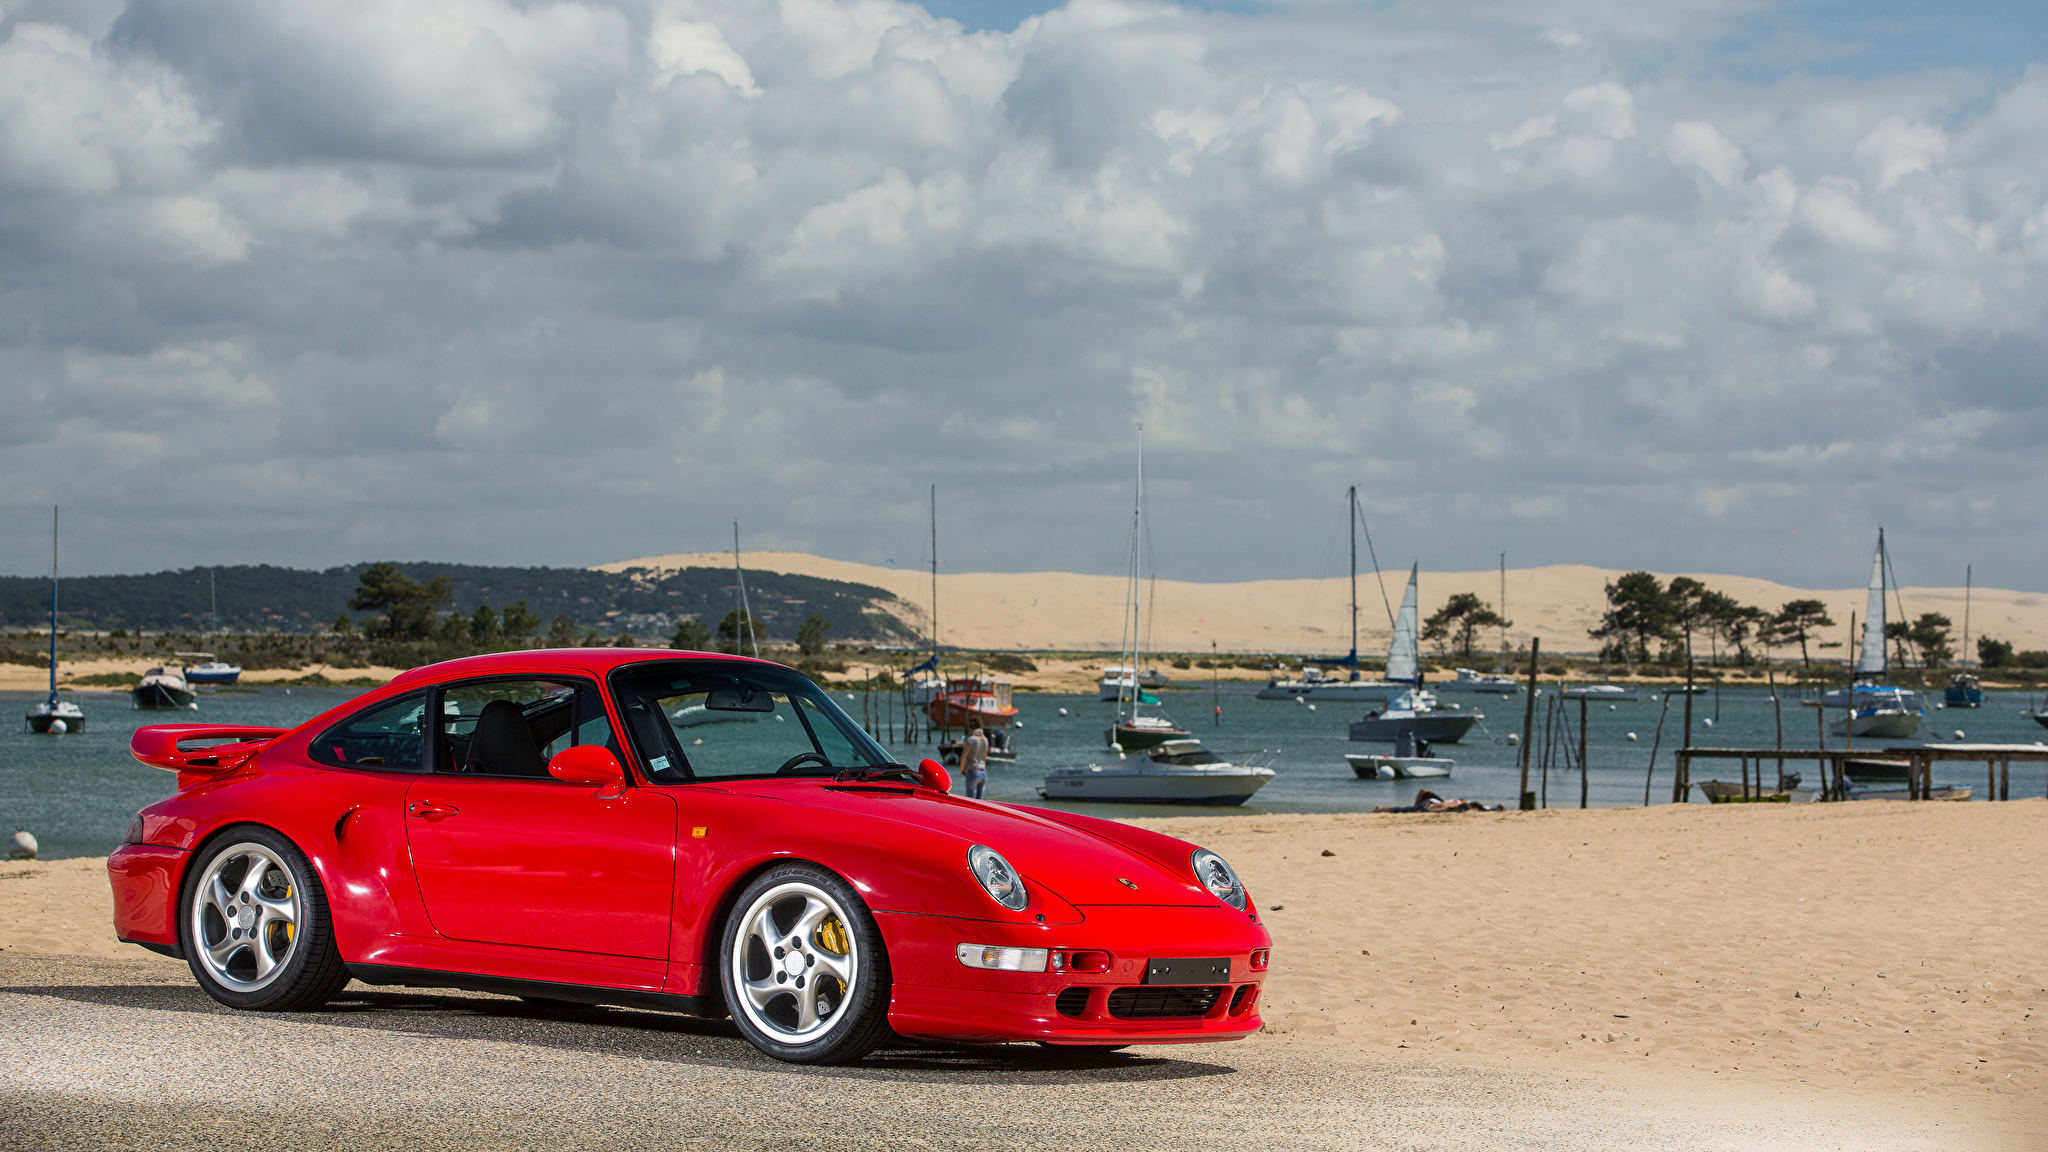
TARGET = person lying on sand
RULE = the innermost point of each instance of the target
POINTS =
(1427, 801)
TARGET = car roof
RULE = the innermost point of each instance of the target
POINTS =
(590, 661)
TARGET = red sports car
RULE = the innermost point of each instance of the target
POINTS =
(679, 831)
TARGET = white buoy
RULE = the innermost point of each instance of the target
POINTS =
(58, 727)
(1311, 707)
(1959, 733)
(1514, 738)
(1063, 711)
(1709, 721)
(849, 695)
(1384, 772)
(1654, 696)
(1631, 737)
(1613, 707)
(1457, 707)
(1301, 699)
(22, 847)
(1018, 723)
(1116, 748)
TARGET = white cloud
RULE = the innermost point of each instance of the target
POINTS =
(794, 259)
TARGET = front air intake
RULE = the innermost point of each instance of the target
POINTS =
(1163, 1003)
(1072, 1001)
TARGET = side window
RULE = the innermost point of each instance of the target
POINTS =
(387, 736)
(513, 727)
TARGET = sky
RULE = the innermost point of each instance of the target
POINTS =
(1693, 286)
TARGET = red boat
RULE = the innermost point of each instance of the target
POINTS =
(969, 699)
(676, 832)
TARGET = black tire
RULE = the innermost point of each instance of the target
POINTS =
(305, 966)
(858, 1017)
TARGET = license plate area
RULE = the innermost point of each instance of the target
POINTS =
(1204, 971)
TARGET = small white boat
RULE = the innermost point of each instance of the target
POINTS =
(1176, 772)
(1470, 681)
(1316, 684)
(55, 717)
(1123, 682)
(1411, 761)
(1413, 715)
(1607, 692)
(1723, 792)
(213, 672)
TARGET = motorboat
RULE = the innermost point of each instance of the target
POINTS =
(213, 673)
(1414, 714)
(1470, 681)
(1607, 692)
(164, 687)
(1871, 707)
(55, 717)
(1723, 792)
(971, 700)
(1124, 682)
(1137, 733)
(1176, 772)
(52, 716)
(1877, 778)
(1411, 761)
(1001, 748)
(1963, 691)
(1315, 684)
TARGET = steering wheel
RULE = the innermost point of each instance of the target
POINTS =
(800, 757)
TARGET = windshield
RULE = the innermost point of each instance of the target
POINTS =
(694, 720)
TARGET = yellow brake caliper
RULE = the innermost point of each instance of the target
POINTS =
(831, 936)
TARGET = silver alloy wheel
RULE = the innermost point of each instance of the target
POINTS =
(794, 963)
(245, 917)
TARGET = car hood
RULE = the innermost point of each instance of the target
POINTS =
(1081, 868)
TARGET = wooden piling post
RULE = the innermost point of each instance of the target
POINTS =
(1778, 709)
(1528, 798)
(1582, 751)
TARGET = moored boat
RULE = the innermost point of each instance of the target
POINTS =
(1963, 691)
(163, 687)
(1413, 715)
(1001, 748)
(1137, 733)
(1723, 792)
(1470, 681)
(213, 672)
(970, 700)
(53, 716)
(1871, 707)
(1123, 682)
(1176, 772)
(1608, 692)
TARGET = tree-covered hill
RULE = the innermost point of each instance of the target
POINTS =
(263, 598)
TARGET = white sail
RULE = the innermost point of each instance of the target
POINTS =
(1404, 654)
(1871, 661)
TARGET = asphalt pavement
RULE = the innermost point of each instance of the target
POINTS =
(130, 1054)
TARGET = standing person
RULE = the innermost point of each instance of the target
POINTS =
(974, 761)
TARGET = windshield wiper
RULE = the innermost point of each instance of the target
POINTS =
(876, 772)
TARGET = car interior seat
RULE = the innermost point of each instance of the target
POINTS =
(503, 743)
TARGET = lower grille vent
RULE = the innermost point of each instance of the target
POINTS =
(1164, 1002)
(1237, 1002)
(1072, 1001)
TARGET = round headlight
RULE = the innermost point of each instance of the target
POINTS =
(997, 877)
(1217, 877)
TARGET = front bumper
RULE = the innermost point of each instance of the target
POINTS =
(935, 996)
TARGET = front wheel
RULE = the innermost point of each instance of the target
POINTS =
(804, 969)
(255, 925)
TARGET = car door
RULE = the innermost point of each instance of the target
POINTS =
(506, 854)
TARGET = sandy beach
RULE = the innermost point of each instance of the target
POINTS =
(1899, 949)
(1039, 611)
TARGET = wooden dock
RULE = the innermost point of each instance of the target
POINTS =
(1916, 765)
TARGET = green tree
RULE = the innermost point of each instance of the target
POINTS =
(562, 633)
(810, 635)
(1638, 611)
(483, 626)
(454, 630)
(1798, 622)
(1464, 614)
(1930, 635)
(737, 631)
(1993, 653)
(519, 620)
(625, 640)
(344, 625)
(405, 605)
(691, 636)
(1733, 623)
(1899, 632)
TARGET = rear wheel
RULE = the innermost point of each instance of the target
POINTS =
(804, 969)
(256, 929)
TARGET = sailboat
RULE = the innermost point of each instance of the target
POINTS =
(923, 683)
(213, 671)
(1314, 683)
(1132, 732)
(53, 716)
(1413, 712)
(1873, 707)
(1964, 690)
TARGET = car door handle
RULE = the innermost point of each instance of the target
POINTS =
(433, 809)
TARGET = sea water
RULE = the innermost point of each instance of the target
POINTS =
(77, 792)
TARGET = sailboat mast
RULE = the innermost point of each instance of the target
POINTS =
(746, 613)
(53, 604)
(1353, 521)
(1965, 653)
(1504, 614)
(935, 582)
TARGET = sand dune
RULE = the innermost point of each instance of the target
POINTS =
(1069, 610)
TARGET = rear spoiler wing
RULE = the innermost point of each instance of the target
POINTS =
(227, 747)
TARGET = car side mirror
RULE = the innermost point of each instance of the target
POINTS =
(592, 765)
(934, 776)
